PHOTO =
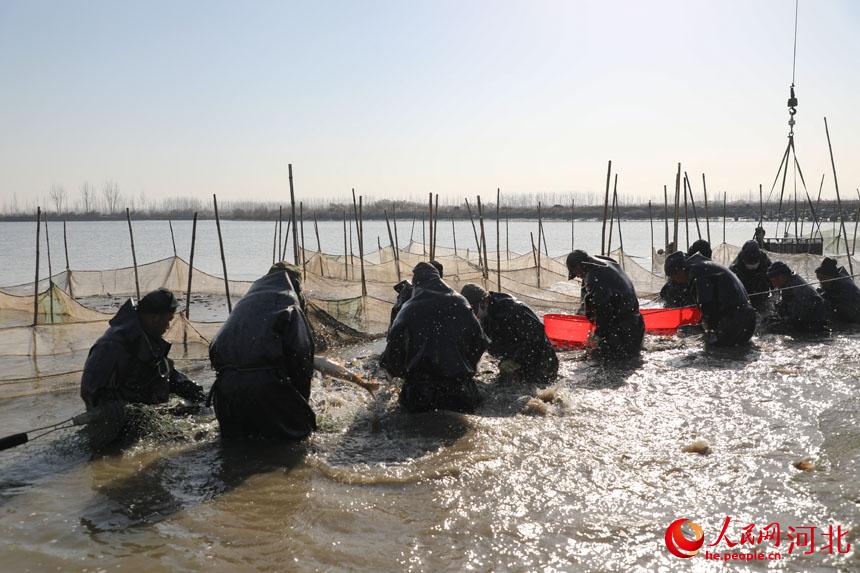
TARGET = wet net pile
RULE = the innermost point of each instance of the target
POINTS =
(73, 308)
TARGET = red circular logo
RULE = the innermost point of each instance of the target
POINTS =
(678, 544)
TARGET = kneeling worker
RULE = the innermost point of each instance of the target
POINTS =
(129, 364)
(839, 291)
(435, 344)
(609, 301)
(404, 292)
(263, 356)
(516, 335)
(799, 307)
(727, 315)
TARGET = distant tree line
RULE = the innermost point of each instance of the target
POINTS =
(108, 202)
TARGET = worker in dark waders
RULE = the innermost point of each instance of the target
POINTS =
(839, 291)
(129, 364)
(751, 266)
(609, 301)
(263, 358)
(727, 315)
(799, 308)
(516, 336)
(404, 292)
(675, 295)
(435, 344)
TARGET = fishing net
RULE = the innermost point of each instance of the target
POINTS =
(73, 307)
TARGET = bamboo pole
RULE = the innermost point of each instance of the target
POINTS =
(133, 254)
(391, 240)
(361, 243)
(612, 217)
(651, 221)
(693, 205)
(319, 245)
(50, 268)
(424, 252)
(542, 232)
(572, 216)
(280, 227)
(677, 209)
(68, 269)
(191, 267)
(293, 219)
(396, 239)
(435, 225)
(351, 252)
(838, 197)
(412, 233)
(666, 216)
(499, 240)
(686, 215)
(454, 234)
(275, 244)
(345, 252)
(536, 255)
(707, 216)
(620, 236)
(430, 224)
(477, 240)
(507, 233)
(304, 256)
(172, 239)
(221, 247)
(286, 240)
(605, 210)
(38, 252)
(761, 205)
(483, 239)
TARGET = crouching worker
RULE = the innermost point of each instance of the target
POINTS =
(799, 307)
(435, 344)
(839, 291)
(404, 292)
(609, 301)
(516, 335)
(263, 357)
(129, 364)
(727, 315)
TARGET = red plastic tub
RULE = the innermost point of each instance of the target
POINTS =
(572, 331)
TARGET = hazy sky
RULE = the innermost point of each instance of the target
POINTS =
(401, 98)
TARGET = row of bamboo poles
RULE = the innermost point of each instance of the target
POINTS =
(611, 215)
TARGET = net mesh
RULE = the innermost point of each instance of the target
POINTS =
(73, 307)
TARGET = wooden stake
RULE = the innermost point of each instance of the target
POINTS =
(435, 225)
(838, 198)
(396, 239)
(605, 210)
(724, 216)
(191, 267)
(275, 245)
(536, 255)
(38, 252)
(293, 219)
(686, 214)
(345, 252)
(221, 246)
(351, 252)
(454, 234)
(133, 254)
(572, 215)
(68, 270)
(507, 233)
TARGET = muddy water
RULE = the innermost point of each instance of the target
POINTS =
(589, 485)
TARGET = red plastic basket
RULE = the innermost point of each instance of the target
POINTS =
(572, 331)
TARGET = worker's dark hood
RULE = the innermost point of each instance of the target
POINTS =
(126, 329)
(425, 276)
